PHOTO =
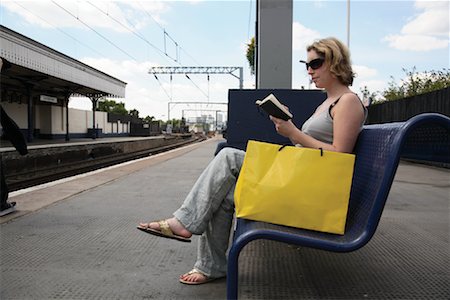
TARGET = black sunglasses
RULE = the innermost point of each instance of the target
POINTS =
(314, 64)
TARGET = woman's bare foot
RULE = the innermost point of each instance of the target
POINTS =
(174, 225)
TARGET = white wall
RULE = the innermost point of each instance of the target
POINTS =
(81, 120)
(58, 119)
(52, 119)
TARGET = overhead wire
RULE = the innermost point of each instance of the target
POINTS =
(98, 33)
(127, 28)
(168, 35)
(123, 51)
(197, 86)
(193, 59)
(140, 37)
(165, 33)
(159, 82)
(60, 30)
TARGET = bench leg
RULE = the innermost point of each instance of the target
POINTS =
(232, 272)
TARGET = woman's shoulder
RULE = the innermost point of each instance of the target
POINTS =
(345, 100)
(348, 103)
(350, 96)
(349, 99)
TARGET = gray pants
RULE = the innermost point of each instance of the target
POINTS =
(208, 210)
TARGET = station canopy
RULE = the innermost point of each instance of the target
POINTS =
(48, 72)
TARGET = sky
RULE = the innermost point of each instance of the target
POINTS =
(125, 38)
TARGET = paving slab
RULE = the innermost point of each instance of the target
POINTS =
(81, 242)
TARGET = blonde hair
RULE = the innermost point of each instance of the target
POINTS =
(337, 57)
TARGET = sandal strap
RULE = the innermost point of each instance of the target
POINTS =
(195, 271)
(165, 228)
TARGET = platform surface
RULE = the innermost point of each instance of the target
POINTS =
(77, 239)
(6, 145)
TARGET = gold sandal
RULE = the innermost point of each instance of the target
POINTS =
(164, 232)
(195, 271)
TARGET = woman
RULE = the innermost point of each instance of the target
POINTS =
(208, 209)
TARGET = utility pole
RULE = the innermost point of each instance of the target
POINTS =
(348, 24)
(274, 44)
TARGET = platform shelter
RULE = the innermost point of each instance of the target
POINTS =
(39, 81)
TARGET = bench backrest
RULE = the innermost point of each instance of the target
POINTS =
(246, 121)
(378, 151)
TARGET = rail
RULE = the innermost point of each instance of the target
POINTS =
(24, 179)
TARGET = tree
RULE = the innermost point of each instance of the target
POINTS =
(251, 54)
(368, 97)
(176, 122)
(111, 106)
(149, 119)
(417, 83)
(134, 113)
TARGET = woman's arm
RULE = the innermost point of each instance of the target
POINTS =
(347, 115)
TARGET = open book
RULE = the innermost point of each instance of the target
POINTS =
(273, 107)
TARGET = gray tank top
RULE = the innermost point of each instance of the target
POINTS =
(320, 126)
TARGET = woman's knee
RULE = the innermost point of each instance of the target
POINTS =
(229, 155)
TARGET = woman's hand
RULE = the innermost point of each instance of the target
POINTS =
(284, 128)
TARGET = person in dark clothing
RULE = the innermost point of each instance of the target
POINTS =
(11, 132)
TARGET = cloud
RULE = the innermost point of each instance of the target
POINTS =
(372, 85)
(195, 2)
(433, 21)
(302, 36)
(364, 72)
(149, 9)
(416, 42)
(117, 15)
(319, 3)
(429, 30)
(365, 78)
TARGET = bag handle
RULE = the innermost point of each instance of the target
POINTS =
(282, 147)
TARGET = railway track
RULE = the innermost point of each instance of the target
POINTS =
(27, 179)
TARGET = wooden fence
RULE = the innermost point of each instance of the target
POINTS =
(403, 109)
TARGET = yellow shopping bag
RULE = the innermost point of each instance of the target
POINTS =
(293, 186)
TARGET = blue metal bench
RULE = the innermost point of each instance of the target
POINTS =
(378, 151)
